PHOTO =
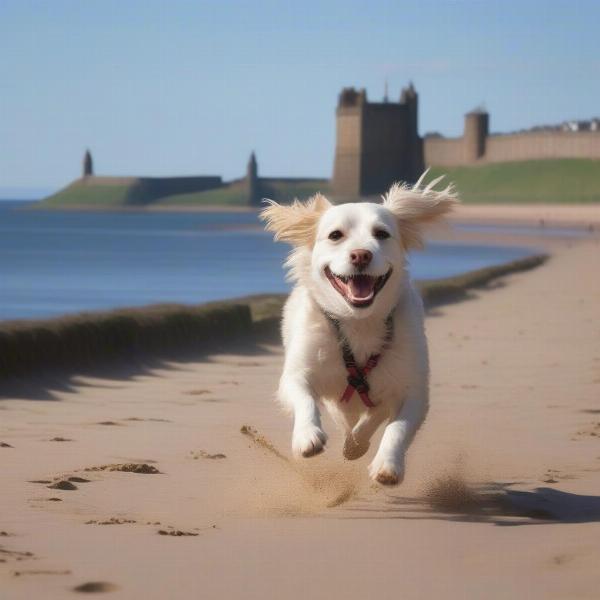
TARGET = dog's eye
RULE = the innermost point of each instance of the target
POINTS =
(381, 234)
(336, 235)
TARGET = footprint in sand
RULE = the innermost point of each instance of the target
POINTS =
(60, 439)
(176, 532)
(111, 521)
(40, 572)
(63, 485)
(592, 430)
(143, 468)
(92, 587)
(8, 555)
(5, 445)
(173, 532)
(203, 454)
(110, 423)
(197, 392)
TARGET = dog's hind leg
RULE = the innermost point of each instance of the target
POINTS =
(388, 465)
(358, 439)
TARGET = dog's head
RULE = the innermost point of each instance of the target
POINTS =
(352, 257)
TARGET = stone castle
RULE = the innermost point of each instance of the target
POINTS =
(378, 143)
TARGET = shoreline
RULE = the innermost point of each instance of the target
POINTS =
(575, 215)
(81, 340)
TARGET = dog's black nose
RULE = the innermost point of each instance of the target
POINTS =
(360, 258)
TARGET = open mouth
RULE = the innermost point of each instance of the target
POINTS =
(358, 290)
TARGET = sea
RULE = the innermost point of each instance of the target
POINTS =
(58, 262)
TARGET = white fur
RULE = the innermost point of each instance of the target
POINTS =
(314, 374)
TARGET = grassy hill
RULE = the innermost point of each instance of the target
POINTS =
(235, 194)
(113, 192)
(537, 181)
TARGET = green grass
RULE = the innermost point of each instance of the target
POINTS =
(537, 181)
(285, 191)
(233, 194)
(96, 195)
(563, 181)
(78, 194)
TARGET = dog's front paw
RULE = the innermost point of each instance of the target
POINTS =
(386, 472)
(308, 440)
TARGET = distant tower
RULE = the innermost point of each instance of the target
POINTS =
(88, 165)
(477, 125)
(377, 143)
(252, 182)
(386, 97)
(348, 165)
(410, 98)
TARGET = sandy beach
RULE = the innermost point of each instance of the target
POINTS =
(174, 480)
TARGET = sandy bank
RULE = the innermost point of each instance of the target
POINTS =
(515, 407)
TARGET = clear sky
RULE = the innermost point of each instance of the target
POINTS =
(175, 87)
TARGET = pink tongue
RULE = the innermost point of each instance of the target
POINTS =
(361, 286)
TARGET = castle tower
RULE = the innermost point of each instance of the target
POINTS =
(377, 143)
(252, 182)
(477, 124)
(88, 165)
(348, 146)
(409, 96)
(415, 159)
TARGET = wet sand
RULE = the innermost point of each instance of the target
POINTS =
(174, 480)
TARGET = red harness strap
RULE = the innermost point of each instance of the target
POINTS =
(357, 381)
(357, 376)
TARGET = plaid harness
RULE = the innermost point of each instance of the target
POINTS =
(357, 376)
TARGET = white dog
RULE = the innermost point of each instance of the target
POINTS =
(353, 325)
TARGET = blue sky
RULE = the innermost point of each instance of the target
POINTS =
(176, 88)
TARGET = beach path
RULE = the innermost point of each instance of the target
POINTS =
(174, 480)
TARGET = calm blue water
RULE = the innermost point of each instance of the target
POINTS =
(52, 263)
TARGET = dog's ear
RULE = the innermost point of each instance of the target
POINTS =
(295, 223)
(417, 205)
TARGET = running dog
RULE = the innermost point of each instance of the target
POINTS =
(353, 327)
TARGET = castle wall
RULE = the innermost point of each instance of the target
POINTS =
(444, 152)
(543, 144)
(448, 152)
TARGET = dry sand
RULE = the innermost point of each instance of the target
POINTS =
(501, 500)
